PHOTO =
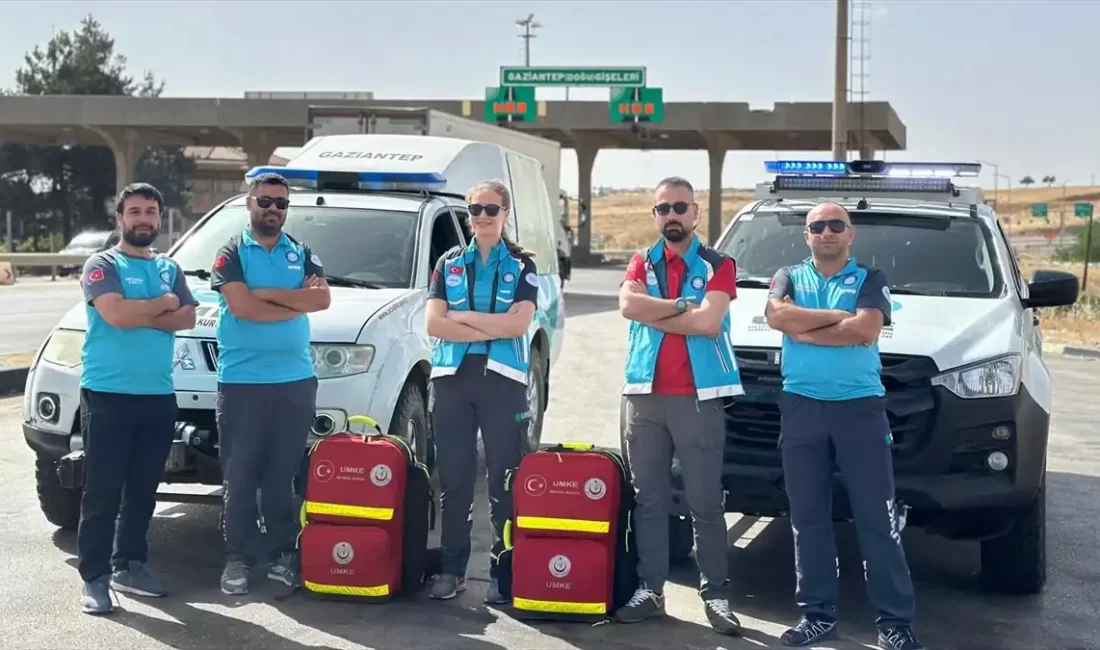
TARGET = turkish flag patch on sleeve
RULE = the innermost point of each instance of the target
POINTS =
(220, 262)
(95, 276)
(456, 270)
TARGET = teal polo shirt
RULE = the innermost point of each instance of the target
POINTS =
(253, 352)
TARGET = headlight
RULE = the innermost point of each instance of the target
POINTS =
(333, 360)
(64, 348)
(998, 377)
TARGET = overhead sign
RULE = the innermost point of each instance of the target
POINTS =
(637, 105)
(1039, 210)
(510, 104)
(1082, 209)
(614, 77)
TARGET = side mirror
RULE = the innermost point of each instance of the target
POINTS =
(1052, 289)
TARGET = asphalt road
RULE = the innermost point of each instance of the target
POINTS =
(30, 308)
(38, 596)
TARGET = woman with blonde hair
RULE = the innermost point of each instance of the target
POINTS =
(480, 305)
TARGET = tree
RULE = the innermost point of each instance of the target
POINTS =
(1027, 180)
(64, 189)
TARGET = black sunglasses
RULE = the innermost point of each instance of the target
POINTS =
(835, 225)
(476, 209)
(266, 202)
(678, 207)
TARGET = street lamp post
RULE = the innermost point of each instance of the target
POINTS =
(996, 175)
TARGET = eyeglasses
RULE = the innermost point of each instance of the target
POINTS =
(835, 225)
(266, 202)
(491, 209)
(678, 207)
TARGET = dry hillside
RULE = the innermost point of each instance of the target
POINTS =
(622, 221)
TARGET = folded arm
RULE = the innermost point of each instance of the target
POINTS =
(639, 306)
(245, 305)
(440, 326)
(313, 296)
(785, 316)
(704, 319)
(515, 322)
(861, 328)
(129, 314)
(175, 321)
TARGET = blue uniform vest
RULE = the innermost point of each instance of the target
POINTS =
(829, 372)
(713, 364)
(133, 361)
(508, 357)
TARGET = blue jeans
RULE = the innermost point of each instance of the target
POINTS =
(126, 443)
(858, 432)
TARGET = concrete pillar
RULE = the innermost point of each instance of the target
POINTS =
(128, 146)
(717, 156)
(257, 146)
(586, 159)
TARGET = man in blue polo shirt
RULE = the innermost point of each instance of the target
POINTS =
(136, 300)
(831, 309)
(267, 389)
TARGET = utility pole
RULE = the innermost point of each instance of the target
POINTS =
(528, 24)
(840, 91)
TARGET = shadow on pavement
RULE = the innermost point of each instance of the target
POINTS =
(952, 608)
(585, 304)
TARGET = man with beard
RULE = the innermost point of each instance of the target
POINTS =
(267, 390)
(831, 309)
(135, 300)
(679, 369)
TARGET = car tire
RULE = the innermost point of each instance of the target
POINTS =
(536, 400)
(60, 505)
(1016, 563)
(410, 423)
(681, 539)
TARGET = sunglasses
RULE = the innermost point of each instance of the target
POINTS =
(678, 207)
(491, 209)
(266, 202)
(835, 225)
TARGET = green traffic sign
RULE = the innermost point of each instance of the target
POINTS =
(1039, 210)
(1082, 209)
(510, 105)
(645, 104)
(532, 77)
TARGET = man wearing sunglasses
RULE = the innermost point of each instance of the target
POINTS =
(267, 390)
(679, 368)
(831, 309)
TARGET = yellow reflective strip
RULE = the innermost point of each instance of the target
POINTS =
(363, 419)
(302, 515)
(340, 590)
(571, 525)
(553, 607)
(353, 512)
(507, 536)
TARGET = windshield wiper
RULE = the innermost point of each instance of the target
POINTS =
(754, 283)
(198, 273)
(341, 281)
(910, 292)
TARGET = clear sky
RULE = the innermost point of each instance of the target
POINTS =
(1001, 81)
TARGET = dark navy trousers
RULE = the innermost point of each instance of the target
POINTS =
(858, 433)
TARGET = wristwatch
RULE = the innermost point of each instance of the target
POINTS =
(681, 305)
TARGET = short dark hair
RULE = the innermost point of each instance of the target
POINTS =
(143, 190)
(675, 181)
(268, 178)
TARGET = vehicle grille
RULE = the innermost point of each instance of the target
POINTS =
(210, 354)
(752, 421)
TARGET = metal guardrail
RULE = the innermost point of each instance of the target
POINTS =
(43, 259)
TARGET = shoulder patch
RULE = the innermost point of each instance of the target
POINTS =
(885, 292)
(220, 261)
(532, 280)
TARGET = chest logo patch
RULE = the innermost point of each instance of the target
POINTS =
(454, 280)
(651, 278)
(165, 277)
(697, 283)
(850, 280)
(292, 257)
(509, 278)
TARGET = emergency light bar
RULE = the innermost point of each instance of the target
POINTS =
(870, 178)
(319, 179)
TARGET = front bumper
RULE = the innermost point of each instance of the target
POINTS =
(941, 447)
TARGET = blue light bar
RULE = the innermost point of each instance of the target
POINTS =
(311, 179)
(872, 168)
(807, 167)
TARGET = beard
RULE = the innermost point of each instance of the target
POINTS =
(139, 239)
(675, 232)
(260, 223)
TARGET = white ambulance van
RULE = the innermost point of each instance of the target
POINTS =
(379, 210)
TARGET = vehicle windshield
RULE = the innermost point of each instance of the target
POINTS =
(364, 245)
(931, 256)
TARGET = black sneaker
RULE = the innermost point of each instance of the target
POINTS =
(721, 618)
(809, 630)
(898, 637)
(493, 595)
(644, 604)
